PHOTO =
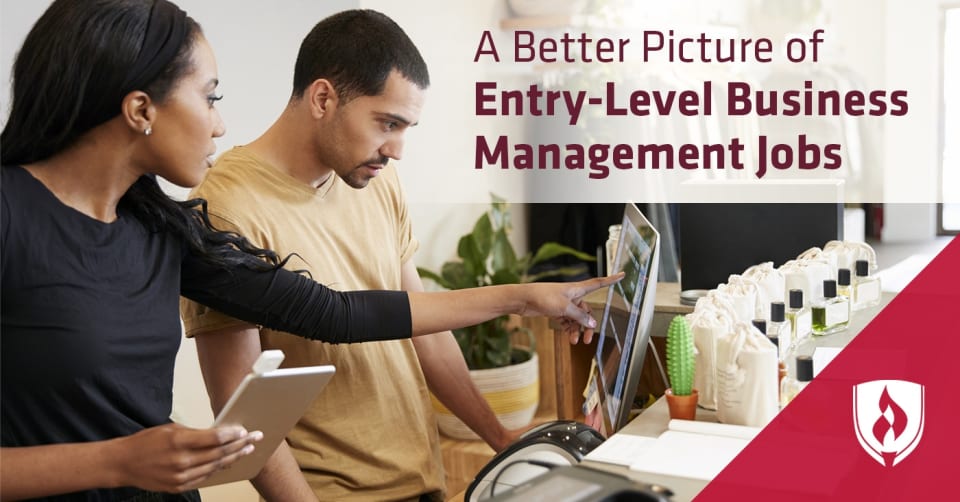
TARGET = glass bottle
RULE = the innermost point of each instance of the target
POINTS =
(792, 385)
(843, 284)
(800, 345)
(779, 329)
(799, 317)
(832, 313)
(763, 327)
(866, 287)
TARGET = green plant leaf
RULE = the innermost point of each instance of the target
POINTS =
(559, 271)
(551, 250)
(505, 277)
(483, 235)
(519, 355)
(474, 263)
(504, 257)
(427, 274)
(464, 337)
(455, 274)
(499, 356)
(499, 341)
(488, 257)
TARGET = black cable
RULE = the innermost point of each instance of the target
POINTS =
(538, 463)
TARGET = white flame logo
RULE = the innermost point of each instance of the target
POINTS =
(888, 417)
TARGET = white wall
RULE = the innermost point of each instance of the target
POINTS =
(897, 45)
(912, 150)
(16, 19)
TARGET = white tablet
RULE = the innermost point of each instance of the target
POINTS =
(271, 402)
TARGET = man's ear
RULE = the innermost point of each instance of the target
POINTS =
(138, 112)
(323, 97)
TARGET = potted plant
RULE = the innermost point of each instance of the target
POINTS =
(681, 396)
(497, 358)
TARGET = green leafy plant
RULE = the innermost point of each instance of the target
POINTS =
(487, 258)
(680, 356)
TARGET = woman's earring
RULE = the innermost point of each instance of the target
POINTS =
(148, 131)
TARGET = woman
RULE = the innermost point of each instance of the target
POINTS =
(106, 95)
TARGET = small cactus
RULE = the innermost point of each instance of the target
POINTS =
(680, 356)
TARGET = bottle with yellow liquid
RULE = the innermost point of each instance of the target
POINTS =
(832, 313)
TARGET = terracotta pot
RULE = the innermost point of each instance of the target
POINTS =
(682, 407)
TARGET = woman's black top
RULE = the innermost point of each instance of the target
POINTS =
(91, 326)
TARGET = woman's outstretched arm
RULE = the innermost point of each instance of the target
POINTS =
(441, 311)
(286, 301)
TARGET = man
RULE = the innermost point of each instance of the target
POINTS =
(359, 84)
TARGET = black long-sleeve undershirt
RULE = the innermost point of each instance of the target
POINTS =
(91, 327)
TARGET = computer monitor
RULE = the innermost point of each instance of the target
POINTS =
(627, 315)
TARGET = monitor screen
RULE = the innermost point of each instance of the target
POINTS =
(627, 314)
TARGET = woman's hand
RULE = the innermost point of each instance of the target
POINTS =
(564, 301)
(174, 458)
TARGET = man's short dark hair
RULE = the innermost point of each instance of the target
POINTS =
(356, 50)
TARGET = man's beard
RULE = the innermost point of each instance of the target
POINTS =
(356, 177)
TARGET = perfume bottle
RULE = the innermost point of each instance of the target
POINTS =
(832, 313)
(866, 287)
(843, 284)
(802, 344)
(791, 386)
(799, 317)
(779, 329)
(763, 327)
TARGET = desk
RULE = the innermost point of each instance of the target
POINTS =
(653, 421)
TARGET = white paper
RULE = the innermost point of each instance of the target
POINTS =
(689, 455)
(691, 449)
(713, 429)
(621, 449)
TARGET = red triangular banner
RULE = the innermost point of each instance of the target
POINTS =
(811, 450)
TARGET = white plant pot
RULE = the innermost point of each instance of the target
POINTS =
(513, 393)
